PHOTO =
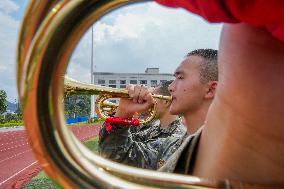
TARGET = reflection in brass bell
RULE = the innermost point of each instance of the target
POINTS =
(50, 31)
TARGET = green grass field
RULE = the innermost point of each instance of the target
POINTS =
(43, 181)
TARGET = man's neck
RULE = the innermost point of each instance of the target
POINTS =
(167, 119)
(194, 120)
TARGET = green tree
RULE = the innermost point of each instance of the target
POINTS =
(3, 101)
(19, 112)
(77, 106)
(11, 117)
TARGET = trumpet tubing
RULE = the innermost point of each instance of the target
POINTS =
(72, 86)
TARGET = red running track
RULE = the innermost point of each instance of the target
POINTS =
(17, 162)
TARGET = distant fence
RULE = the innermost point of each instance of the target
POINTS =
(72, 120)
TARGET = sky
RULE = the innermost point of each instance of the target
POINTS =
(127, 40)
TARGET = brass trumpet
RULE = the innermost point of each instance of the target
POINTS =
(72, 86)
(49, 33)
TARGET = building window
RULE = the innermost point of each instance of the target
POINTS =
(123, 86)
(113, 86)
(123, 82)
(112, 82)
(133, 81)
(154, 83)
(143, 82)
(112, 100)
(101, 81)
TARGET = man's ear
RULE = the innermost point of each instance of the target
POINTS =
(211, 90)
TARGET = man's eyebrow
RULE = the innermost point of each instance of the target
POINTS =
(178, 73)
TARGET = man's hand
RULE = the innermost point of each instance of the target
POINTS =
(140, 101)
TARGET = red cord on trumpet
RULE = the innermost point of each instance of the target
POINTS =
(120, 121)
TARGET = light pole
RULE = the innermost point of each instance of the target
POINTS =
(92, 76)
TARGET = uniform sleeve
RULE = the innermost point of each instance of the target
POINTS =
(121, 146)
(258, 13)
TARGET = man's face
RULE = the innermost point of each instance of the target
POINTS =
(187, 90)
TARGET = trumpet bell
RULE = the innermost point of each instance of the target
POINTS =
(42, 62)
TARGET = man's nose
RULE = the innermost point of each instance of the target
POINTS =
(171, 87)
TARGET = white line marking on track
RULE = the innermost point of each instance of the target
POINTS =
(5, 149)
(15, 155)
(7, 143)
(17, 173)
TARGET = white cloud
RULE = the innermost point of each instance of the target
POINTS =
(2, 68)
(128, 40)
(8, 6)
(141, 36)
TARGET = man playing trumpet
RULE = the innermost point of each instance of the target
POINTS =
(138, 146)
(193, 91)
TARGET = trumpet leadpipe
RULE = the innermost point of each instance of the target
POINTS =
(72, 87)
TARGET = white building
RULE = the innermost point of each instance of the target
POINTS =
(151, 77)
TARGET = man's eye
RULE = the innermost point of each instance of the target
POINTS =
(179, 77)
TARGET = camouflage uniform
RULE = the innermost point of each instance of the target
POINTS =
(182, 160)
(139, 146)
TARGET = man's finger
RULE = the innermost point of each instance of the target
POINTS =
(130, 89)
(143, 92)
(149, 99)
(137, 89)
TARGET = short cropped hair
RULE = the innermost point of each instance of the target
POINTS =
(163, 88)
(209, 66)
